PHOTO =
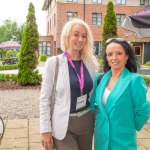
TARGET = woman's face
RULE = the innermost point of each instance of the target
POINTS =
(116, 56)
(77, 38)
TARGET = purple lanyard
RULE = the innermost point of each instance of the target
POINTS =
(81, 77)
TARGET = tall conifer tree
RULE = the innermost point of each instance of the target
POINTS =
(110, 23)
(28, 58)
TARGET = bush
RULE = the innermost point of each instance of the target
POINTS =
(3, 59)
(28, 58)
(8, 67)
(29, 78)
(147, 80)
(8, 77)
(18, 55)
(9, 53)
(147, 63)
(100, 61)
(42, 57)
(13, 77)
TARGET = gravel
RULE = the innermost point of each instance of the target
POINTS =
(22, 103)
(19, 104)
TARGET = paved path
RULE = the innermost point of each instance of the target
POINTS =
(21, 134)
(40, 69)
(24, 134)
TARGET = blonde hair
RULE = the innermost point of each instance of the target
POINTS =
(87, 51)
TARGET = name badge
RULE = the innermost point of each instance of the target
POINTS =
(81, 102)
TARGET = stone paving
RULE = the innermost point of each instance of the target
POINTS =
(24, 134)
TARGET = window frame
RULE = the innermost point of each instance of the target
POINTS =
(97, 1)
(44, 47)
(74, 14)
(121, 2)
(144, 2)
(98, 44)
(74, 1)
(140, 50)
(96, 19)
(119, 23)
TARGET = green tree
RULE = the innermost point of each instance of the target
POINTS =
(28, 59)
(110, 24)
(10, 30)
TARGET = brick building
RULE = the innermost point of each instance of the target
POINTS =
(93, 12)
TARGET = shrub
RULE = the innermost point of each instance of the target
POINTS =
(2, 77)
(147, 80)
(8, 67)
(9, 53)
(100, 61)
(29, 78)
(28, 58)
(42, 57)
(147, 63)
(13, 77)
(18, 55)
(3, 59)
(8, 77)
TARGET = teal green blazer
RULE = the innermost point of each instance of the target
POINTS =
(126, 111)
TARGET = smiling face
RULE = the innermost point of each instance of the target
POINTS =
(77, 38)
(116, 56)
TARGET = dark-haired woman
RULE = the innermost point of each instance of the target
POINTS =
(120, 98)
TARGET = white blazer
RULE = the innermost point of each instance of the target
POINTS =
(60, 117)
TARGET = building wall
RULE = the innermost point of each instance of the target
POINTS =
(58, 11)
(104, 2)
(63, 8)
(52, 21)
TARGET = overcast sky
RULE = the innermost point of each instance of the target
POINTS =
(17, 10)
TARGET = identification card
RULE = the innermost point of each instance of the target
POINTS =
(81, 101)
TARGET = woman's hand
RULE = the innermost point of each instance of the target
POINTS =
(47, 140)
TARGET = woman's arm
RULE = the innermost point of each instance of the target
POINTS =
(92, 99)
(46, 92)
(141, 105)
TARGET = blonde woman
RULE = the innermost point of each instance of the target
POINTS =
(71, 125)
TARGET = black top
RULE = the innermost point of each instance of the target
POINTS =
(75, 85)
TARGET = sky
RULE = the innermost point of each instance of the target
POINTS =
(17, 10)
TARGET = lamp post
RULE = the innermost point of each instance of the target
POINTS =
(84, 10)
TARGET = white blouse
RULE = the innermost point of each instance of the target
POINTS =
(105, 96)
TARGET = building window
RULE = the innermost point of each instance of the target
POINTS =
(137, 50)
(72, 0)
(120, 19)
(96, 18)
(98, 48)
(97, 1)
(44, 48)
(122, 2)
(71, 15)
(144, 2)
